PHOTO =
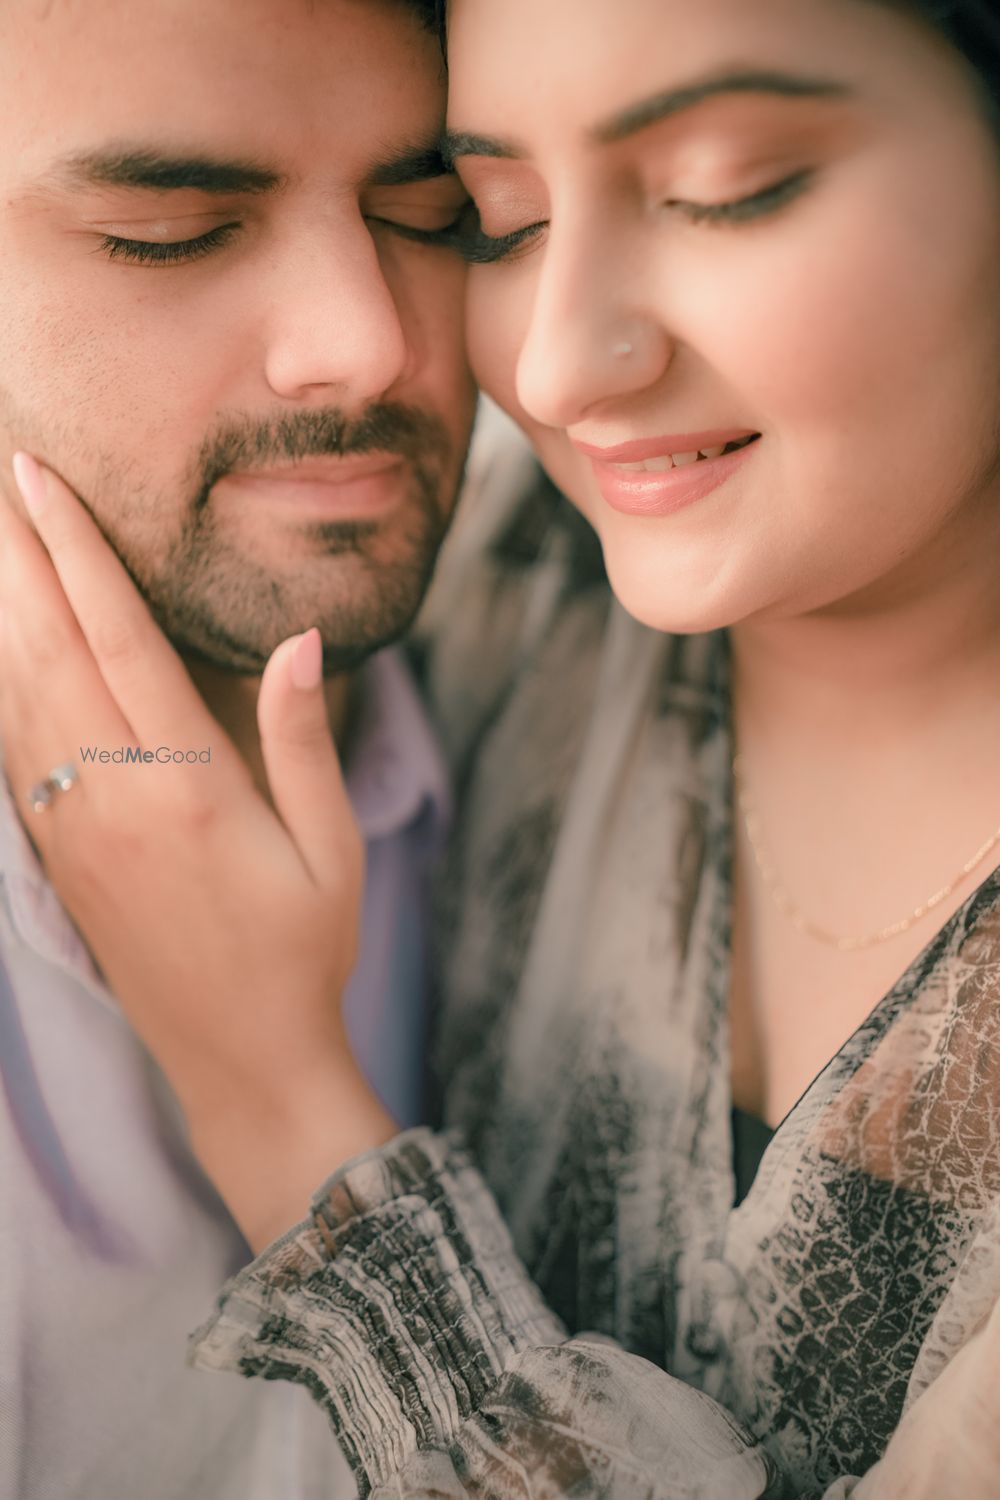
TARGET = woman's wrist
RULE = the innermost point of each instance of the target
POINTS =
(267, 1155)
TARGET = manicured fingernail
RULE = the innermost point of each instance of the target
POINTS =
(31, 483)
(307, 660)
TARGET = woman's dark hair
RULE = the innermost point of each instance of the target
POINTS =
(431, 13)
(973, 28)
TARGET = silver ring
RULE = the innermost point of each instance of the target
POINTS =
(60, 779)
(41, 795)
(64, 776)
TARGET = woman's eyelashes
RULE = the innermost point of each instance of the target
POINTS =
(481, 248)
(743, 210)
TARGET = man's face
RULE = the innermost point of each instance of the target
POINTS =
(226, 321)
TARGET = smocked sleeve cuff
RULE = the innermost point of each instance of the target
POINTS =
(399, 1303)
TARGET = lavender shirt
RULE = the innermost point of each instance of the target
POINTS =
(398, 787)
(111, 1241)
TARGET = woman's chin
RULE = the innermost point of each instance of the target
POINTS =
(667, 598)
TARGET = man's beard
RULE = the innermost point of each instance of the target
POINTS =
(221, 605)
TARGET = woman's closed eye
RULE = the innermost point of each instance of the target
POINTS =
(481, 248)
(743, 210)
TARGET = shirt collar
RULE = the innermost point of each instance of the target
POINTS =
(395, 771)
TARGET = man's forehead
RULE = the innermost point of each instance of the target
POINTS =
(219, 105)
(179, 52)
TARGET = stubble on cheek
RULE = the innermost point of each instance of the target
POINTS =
(225, 592)
(147, 529)
(58, 431)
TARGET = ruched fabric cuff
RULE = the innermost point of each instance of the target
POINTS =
(399, 1303)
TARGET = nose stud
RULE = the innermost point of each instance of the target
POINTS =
(623, 349)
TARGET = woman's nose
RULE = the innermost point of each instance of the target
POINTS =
(592, 337)
(335, 329)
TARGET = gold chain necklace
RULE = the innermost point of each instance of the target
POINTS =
(793, 912)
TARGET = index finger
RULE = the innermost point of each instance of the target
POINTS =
(143, 672)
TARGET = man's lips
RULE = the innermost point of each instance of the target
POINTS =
(642, 449)
(352, 487)
(325, 468)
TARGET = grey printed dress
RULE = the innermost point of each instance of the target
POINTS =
(554, 1295)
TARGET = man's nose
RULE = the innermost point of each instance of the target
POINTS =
(334, 329)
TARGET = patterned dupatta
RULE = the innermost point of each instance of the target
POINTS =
(583, 1047)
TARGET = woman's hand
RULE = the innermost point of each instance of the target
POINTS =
(225, 928)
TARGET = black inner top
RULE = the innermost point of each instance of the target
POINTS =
(751, 1138)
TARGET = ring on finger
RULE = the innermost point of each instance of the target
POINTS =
(64, 776)
(61, 778)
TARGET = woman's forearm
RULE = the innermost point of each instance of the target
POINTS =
(266, 1153)
(403, 1307)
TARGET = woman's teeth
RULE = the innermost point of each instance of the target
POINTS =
(678, 460)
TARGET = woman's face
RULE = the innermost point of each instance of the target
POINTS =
(773, 217)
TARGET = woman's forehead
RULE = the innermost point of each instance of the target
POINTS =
(580, 67)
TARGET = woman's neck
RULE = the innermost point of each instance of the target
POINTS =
(890, 665)
(869, 740)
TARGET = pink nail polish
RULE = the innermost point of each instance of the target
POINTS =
(307, 660)
(30, 481)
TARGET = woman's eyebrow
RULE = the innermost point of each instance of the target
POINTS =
(456, 143)
(674, 101)
(662, 106)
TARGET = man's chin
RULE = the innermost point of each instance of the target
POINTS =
(243, 647)
(338, 658)
(228, 596)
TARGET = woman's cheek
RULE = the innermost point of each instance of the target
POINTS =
(497, 322)
(497, 317)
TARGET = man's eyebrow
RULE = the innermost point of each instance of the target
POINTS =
(413, 164)
(662, 106)
(160, 172)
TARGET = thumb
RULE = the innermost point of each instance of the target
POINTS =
(302, 765)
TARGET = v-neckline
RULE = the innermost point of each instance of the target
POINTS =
(989, 886)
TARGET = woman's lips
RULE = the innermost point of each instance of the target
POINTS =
(661, 491)
(357, 487)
